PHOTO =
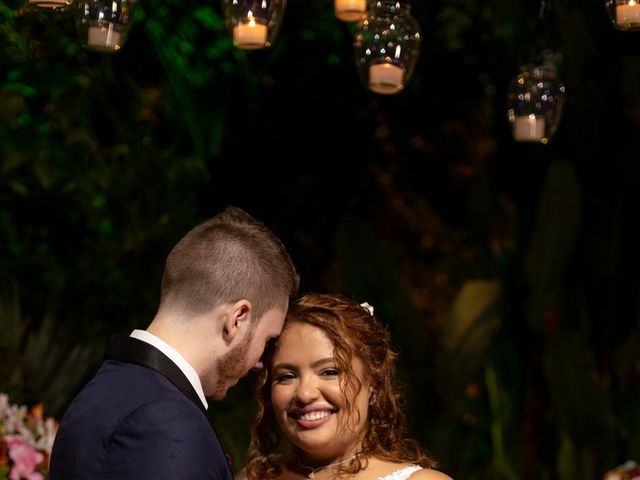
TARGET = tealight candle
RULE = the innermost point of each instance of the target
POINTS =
(628, 15)
(250, 35)
(50, 3)
(103, 39)
(385, 78)
(350, 10)
(528, 128)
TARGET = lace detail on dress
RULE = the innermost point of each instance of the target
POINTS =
(402, 474)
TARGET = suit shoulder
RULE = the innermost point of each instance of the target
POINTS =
(175, 412)
(118, 386)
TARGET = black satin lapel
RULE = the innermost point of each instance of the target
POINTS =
(132, 350)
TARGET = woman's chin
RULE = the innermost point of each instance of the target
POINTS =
(317, 448)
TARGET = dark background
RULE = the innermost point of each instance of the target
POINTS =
(506, 272)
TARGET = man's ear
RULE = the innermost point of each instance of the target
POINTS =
(237, 316)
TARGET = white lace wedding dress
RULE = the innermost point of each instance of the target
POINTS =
(402, 474)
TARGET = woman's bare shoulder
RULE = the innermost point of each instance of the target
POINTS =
(429, 474)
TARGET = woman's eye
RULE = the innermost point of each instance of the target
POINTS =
(330, 372)
(283, 377)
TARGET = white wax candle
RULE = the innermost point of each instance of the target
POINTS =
(103, 39)
(628, 14)
(350, 10)
(50, 3)
(528, 128)
(385, 78)
(250, 35)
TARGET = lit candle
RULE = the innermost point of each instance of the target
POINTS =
(528, 128)
(103, 39)
(250, 35)
(50, 3)
(628, 15)
(385, 78)
(350, 10)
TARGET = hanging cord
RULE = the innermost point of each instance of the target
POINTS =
(540, 36)
(541, 10)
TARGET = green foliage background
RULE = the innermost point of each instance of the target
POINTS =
(507, 272)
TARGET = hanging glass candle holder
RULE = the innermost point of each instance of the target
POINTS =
(350, 10)
(625, 14)
(535, 100)
(49, 5)
(254, 24)
(387, 46)
(104, 25)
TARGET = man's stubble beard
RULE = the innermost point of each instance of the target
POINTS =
(230, 368)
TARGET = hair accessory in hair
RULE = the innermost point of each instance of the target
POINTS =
(367, 307)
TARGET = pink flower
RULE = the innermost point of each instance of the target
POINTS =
(25, 459)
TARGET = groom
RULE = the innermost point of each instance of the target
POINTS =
(225, 292)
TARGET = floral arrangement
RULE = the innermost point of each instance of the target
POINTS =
(630, 470)
(26, 439)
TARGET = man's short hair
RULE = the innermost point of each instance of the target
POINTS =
(230, 257)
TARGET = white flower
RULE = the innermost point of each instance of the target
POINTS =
(367, 307)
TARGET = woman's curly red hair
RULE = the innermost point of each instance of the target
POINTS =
(354, 332)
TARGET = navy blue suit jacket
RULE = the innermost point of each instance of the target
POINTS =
(138, 418)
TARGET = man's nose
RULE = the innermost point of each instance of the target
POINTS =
(258, 366)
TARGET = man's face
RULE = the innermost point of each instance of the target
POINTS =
(246, 355)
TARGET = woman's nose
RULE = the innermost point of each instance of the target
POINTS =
(307, 391)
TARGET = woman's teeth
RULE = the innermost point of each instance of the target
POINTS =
(314, 415)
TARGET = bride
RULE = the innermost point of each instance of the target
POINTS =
(329, 391)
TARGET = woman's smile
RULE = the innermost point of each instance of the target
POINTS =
(310, 419)
(307, 395)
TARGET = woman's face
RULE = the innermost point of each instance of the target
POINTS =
(307, 399)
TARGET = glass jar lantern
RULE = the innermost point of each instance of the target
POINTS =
(104, 25)
(624, 14)
(387, 46)
(254, 24)
(535, 101)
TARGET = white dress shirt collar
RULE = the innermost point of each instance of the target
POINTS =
(176, 358)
